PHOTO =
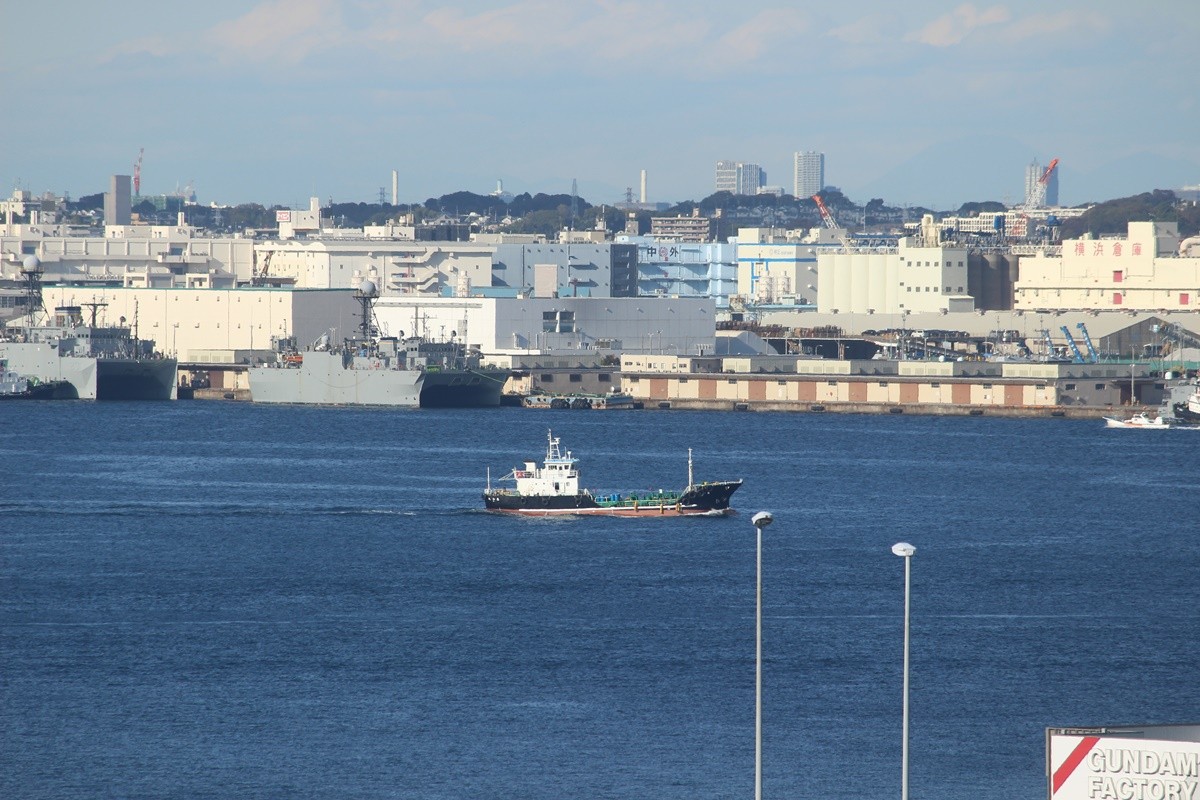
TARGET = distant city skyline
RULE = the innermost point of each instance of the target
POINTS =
(919, 103)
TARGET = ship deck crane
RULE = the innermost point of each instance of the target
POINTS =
(1050, 349)
(1093, 356)
(1077, 356)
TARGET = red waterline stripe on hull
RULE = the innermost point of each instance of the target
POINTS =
(604, 512)
(1072, 761)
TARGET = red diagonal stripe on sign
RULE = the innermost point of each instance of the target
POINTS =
(1072, 761)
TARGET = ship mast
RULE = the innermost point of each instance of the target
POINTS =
(689, 468)
(31, 271)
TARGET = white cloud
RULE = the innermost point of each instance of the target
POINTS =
(953, 28)
(286, 31)
(1039, 25)
(760, 35)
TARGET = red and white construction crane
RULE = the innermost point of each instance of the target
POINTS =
(823, 210)
(831, 223)
(137, 173)
(1049, 169)
(1038, 199)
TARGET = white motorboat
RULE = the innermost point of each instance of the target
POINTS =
(1139, 420)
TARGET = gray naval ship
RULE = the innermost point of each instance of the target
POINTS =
(374, 370)
(362, 371)
(357, 373)
(454, 376)
(88, 361)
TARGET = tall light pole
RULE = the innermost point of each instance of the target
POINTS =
(761, 520)
(905, 551)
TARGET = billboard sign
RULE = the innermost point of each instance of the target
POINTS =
(1100, 767)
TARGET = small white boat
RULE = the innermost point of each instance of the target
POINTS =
(1140, 420)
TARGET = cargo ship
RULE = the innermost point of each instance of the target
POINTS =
(554, 489)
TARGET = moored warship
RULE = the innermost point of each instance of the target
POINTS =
(365, 370)
(92, 361)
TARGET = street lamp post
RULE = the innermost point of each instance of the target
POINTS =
(905, 551)
(761, 520)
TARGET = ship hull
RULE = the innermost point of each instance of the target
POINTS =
(51, 390)
(323, 379)
(462, 388)
(136, 379)
(707, 499)
(1183, 411)
(89, 378)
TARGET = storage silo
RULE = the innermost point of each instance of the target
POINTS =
(860, 283)
(845, 279)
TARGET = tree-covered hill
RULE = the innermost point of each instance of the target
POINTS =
(1113, 216)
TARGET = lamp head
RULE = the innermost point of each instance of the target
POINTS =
(762, 519)
(903, 549)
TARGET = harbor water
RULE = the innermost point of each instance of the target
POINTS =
(224, 600)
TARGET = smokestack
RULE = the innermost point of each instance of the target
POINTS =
(643, 186)
(395, 188)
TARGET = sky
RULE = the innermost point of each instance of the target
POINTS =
(920, 103)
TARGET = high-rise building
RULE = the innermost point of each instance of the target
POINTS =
(809, 173)
(727, 176)
(739, 177)
(116, 201)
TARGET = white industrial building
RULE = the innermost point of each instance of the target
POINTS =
(505, 326)
(780, 267)
(402, 267)
(1148, 269)
(211, 325)
(922, 275)
(566, 269)
(129, 255)
(685, 268)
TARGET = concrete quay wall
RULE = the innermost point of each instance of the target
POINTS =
(926, 409)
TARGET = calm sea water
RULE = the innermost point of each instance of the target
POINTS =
(229, 601)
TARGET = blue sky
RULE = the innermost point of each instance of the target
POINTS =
(921, 103)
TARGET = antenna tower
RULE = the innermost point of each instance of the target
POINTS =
(137, 173)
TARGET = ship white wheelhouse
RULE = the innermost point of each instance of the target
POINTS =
(557, 477)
